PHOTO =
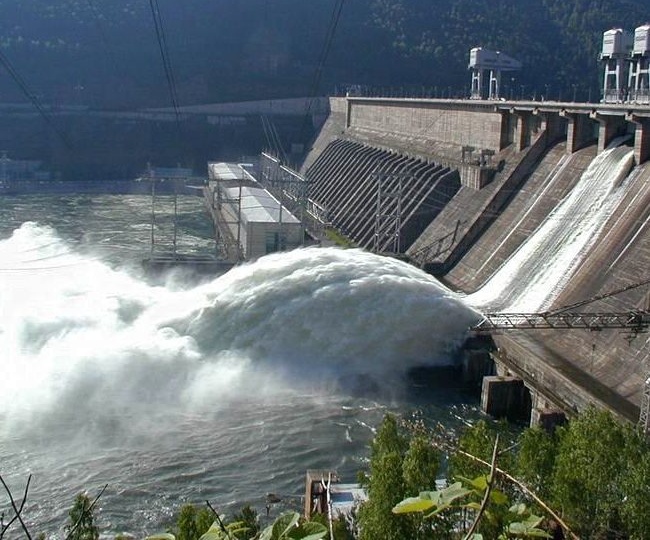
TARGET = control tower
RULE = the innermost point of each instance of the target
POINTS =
(481, 60)
(639, 77)
(617, 45)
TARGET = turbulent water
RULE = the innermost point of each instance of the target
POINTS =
(174, 393)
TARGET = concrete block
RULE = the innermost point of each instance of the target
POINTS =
(505, 397)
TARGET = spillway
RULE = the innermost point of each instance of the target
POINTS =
(536, 273)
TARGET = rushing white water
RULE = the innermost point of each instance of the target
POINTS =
(74, 330)
(221, 391)
(535, 274)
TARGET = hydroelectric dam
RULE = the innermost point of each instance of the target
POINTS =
(522, 206)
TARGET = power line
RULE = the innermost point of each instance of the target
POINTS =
(100, 29)
(329, 37)
(32, 97)
(273, 138)
(166, 60)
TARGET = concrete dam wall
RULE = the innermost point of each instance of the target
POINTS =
(457, 187)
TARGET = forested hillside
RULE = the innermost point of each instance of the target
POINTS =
(105, 52)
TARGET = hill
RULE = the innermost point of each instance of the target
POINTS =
(105, 52)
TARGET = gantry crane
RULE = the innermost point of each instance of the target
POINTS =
(633, 322)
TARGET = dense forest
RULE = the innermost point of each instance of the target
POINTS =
(105, 53)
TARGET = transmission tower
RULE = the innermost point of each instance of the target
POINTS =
(388, 215)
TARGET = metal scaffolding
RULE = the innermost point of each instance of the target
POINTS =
(388, 214)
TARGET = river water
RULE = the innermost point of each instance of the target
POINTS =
(176, 392)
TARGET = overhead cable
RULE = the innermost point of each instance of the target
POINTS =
(34, 100)
(329, 38)
(100, 29)
(166, 60)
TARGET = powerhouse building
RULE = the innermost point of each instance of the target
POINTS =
(249, 215)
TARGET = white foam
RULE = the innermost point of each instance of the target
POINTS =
(536, 273)
(80, 339)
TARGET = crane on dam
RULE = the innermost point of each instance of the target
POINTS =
(633, 322)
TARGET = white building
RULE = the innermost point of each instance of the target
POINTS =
(254, 219)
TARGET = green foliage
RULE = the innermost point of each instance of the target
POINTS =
(396, 465)
(462, 501)
(420, 465)
(377, 42)
(595, 470)
(536, 460)
(436, 501)
(232, 531)
(635, 509)
(186, 523)
(339, 526)
(249, 517)
(588, 482)
(191, 524)
(338, 238)
(82, 521)
(478, 440)
(288, 527)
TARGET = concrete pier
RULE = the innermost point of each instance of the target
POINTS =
(505, 397)
(580, 131)
(609, 127)
(641, 137)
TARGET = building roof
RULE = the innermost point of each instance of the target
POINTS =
(257, 204)
(228, 171)
(346, 497)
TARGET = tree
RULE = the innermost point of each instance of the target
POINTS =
(396, 464)
(536, 459)
(477, 440)
(588, 480)
(186, 523)
(82, 522)
(635, 509)
(420, 465)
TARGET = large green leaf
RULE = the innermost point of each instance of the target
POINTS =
(438, 510)
(528, 528)
(452, 493)
(161, 536)
(309, 531)
(281, 527)
(438, 500)
(518, 509)
(479, 483)
(413, 504)
(213, 533)
(498, 497)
